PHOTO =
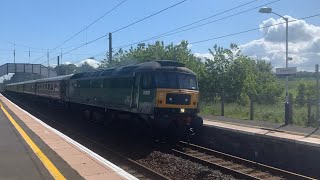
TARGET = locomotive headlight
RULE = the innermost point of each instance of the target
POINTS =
(182, 110)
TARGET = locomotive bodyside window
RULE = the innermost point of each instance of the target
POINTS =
(147, 81)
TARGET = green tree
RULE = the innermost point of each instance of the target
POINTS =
(301, 97)
(239, 78)
(242, 80)
(269, 89)
(218, 70)
(305, 91)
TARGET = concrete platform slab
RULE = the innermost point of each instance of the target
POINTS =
(17, 159)
(69, 155)
(277, 146)
(277, 133)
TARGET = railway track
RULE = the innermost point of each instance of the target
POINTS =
(131, 166)
(238, 167)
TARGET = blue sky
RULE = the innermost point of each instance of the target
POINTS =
(43, 25)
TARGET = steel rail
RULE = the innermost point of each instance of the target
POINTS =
(236, 166)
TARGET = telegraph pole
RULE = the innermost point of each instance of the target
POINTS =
(110, 48)
(318, 93)
(58, 61)
(14, 53)
(61, 55)
(29, 55)
(48, 63)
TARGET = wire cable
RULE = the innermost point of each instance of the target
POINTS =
(253, 29)
(124, 27)
(248, 30)
(115, 7)
(95, 21)
(22, 45)
(174, 31)
(147, 17)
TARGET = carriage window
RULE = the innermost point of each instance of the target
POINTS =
(56, 87)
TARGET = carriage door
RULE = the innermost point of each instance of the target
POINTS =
(63, 89)
(135, 91)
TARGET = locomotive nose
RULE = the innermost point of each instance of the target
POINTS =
(177, 98)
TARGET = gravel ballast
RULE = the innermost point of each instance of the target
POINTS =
(179, 168)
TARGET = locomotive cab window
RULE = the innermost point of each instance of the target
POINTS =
(176, 80)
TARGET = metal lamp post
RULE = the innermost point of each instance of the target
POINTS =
(269, 10)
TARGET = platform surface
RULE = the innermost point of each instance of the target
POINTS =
(17, 159)
(73, 161)
(297, 134)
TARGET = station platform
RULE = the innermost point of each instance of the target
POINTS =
(287, 147)
(292, 133)
(30, 149)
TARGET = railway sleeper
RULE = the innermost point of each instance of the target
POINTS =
(263, 175)
(216, 161)
(226, 163)
(198, 155)
(235, 166)
(246, 170)
(206, 157)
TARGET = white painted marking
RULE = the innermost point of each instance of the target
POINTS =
(109, 164)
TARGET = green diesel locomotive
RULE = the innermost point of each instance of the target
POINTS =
(162, 94)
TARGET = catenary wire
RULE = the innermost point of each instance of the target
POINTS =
(124, 27)
(248, 30)
(108, 12)
(253, 29)
(174, 31)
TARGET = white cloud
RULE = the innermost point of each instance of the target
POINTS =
(203, 56)
(67, 63)
(304, 44)
(91, 62)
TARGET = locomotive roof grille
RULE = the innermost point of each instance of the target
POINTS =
(128, 70)
(170, 63)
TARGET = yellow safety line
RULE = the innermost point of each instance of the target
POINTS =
(47, 163)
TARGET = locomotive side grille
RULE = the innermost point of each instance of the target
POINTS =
(180, 99)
